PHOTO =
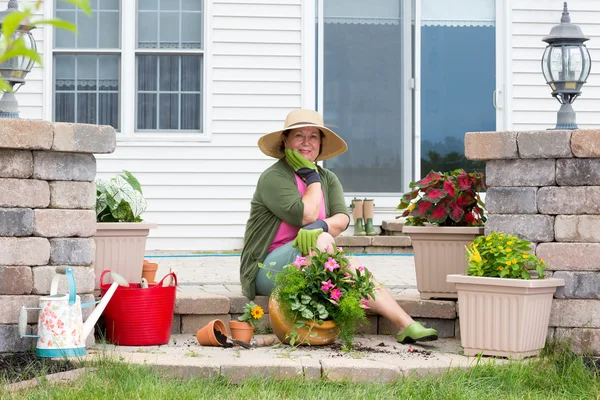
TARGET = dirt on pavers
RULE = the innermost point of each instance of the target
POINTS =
(24, 366)
(365, 346)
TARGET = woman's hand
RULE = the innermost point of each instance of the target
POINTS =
(304, 168)
(306, 239)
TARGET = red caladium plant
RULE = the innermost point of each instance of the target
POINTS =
(445, 199)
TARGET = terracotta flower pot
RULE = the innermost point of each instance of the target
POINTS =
(241, 330)
(206, 336)
(325, 334)
(149, 271)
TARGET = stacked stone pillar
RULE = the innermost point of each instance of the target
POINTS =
(47, 214)
(544, 186)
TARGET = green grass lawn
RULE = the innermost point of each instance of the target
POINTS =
(556, 375)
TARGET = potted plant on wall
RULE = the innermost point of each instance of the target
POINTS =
(502, 311)
(318, 298)
(444, 213)
(120, 231)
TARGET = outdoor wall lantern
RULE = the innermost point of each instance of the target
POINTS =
(14, 70)
(566, 65)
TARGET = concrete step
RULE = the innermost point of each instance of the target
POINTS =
(393, 227)
(397, 244)
(194, 309)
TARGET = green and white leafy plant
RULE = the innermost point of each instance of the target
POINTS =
(119, 199)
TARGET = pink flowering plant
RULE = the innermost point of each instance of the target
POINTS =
(323, 287)
(445, 199)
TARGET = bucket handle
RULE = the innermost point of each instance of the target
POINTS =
(159, 284)
(68, 271)
(107, 271)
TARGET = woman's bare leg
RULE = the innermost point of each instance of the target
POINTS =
(384, 304)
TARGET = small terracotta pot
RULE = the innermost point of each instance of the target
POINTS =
(149, 271)
(241, 330)
(206, 336)
(325, 334)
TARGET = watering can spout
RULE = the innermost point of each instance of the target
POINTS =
(88, 326)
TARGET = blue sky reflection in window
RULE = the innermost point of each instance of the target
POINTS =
(458, 79)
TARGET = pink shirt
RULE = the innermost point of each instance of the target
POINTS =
(286, 232)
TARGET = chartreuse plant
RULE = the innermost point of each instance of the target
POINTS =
(445, 199)
(321, 287)
(12, 44)
(502, 256)
(119, 199)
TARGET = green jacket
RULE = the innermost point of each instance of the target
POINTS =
(277, 199)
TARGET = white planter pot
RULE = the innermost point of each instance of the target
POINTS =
(440, 251)
(120, 247)
(504, 317)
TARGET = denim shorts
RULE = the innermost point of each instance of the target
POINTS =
(281, 256)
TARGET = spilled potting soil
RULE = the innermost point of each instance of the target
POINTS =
(222, 338)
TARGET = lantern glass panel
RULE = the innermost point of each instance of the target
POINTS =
(573, 63)
(587, 63)
(546, 65)
(556, 64)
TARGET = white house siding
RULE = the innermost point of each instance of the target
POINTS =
(29, 95)
(199, 193)
(532, 104)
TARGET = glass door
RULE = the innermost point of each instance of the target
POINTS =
(457, 80)
(364, 92)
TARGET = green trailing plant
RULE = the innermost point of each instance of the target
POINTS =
(12, 44)
(499, 255)
(321, 287)
(119, 199)
(445, 199)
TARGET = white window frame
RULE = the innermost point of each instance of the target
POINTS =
(127, 132)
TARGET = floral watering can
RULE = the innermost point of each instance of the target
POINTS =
(61, 331)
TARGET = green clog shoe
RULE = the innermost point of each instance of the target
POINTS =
(416, 332)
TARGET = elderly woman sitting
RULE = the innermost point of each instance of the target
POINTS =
(299, 205)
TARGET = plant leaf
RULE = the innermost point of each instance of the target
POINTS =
(12, 21)
(434, 195)
(58, 23)
(84, 5)
(450, 189)
(456, 213)
(423, 208)
(432, 177)
(132, 180)
(464, 181)
(439, 213)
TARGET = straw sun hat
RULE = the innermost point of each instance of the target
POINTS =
(331, 145)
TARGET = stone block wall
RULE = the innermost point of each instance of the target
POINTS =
(544, 186)
(47, 216)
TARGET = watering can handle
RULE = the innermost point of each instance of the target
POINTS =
(68, 271)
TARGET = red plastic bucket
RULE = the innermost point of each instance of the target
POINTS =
(139, 317)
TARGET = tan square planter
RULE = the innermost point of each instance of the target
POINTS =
(120, 247)
(504, 317)
(440, 251)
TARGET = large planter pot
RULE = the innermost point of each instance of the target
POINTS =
(504, 317)
(120, 247)
(316, 335)
(440, 251)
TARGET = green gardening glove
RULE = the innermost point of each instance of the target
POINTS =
(306, 239)
(304, 168)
